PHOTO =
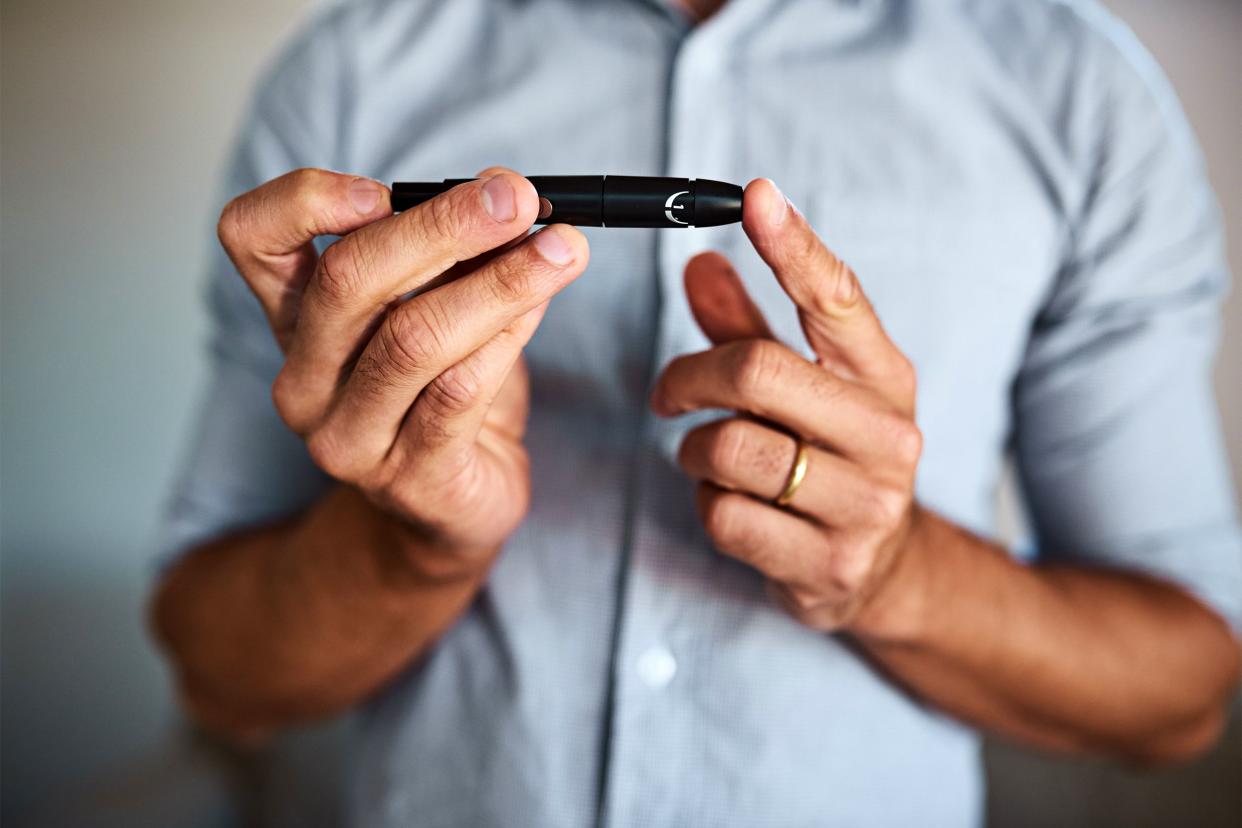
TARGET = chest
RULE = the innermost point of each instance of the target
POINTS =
(901, 168)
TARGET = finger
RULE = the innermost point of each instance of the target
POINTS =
(719, 301)
(745, 456)
(447, 417)
(422, 338)
(452, 407)
(510, 409)
(768, 380)
(838, 320)
(468, 266)
(268, 231)
(782, 546)
(462, 268)
(363, 274)
(465, 268)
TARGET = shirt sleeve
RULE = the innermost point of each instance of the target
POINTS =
(1118, 443)
(243, 466)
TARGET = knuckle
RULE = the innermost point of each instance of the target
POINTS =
(411, 337)
(328, 453)
(905, 377)
(432, 428)
(443, 218)
(727, 446)
(804, 601)
(721, 519)
(850, 567)
(305, 180)
(339, 274)
(907, 442)
(310, 189)
(299, 184)
(805, 248)
(901, 437)
(886, 505)
(836, 287)
(729, 526)
(755, 366)
(454, 391)
(675, 373)
(283, 396)
(288, 402)
(230, 227)
(510, 283)
(843, 284)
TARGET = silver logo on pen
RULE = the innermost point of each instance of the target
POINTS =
(670, 207)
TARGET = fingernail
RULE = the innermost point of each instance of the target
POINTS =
(364, 194)
(498, 199)
(553, 246)
(780, 206)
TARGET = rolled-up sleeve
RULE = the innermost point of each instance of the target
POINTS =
(1118, 441)
(243, 466)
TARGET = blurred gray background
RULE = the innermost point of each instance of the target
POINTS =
(114, 119)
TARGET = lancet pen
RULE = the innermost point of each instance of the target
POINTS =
(610, 200)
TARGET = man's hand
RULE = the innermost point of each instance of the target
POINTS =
(419, 403)
(829, 552)
(403, 373)
(1068, 657)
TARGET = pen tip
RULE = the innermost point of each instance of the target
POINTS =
(716, 203)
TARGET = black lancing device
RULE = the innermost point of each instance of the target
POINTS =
(610, 200)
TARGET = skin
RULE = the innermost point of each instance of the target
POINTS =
(418, 409)
(1061, 657)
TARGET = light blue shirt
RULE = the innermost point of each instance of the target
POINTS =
(1020, 194)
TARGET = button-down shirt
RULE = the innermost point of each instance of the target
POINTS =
(1022, 199)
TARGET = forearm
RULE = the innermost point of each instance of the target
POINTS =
(300, 620)
(1061, 657)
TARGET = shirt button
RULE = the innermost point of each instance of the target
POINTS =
(656, 667)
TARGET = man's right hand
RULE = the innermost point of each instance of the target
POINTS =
(419, 403)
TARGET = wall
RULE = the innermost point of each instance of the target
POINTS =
(114, 119)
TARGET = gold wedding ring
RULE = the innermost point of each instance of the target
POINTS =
(797, 473)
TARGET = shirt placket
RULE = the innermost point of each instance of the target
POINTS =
(652, 778)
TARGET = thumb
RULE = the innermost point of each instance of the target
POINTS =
(720, 303)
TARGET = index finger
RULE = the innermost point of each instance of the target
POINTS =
(838, 320)
(361, 276)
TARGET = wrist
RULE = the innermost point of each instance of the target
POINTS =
(899, 610)
(402, 552)
(428, 556)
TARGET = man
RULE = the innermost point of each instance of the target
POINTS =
(674, 539)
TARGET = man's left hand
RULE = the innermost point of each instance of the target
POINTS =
(831, 550)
